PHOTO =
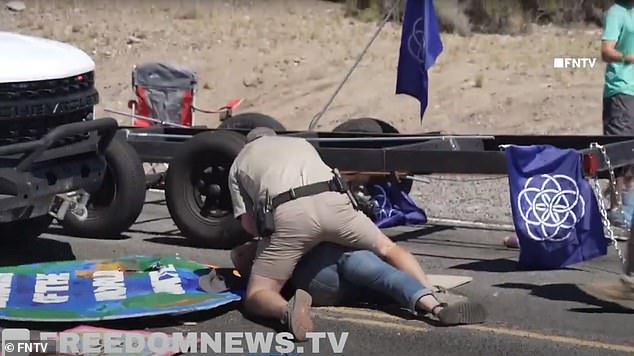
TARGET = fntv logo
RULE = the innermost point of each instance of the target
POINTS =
(574, 62)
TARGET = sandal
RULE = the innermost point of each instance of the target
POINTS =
(464, 312)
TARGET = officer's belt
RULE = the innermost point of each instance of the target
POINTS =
(305, 191)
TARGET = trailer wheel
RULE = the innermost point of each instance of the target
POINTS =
(118, 203)
(372, 125)
(251, 120)
(197, 190)
(21, 232)
(366, 125)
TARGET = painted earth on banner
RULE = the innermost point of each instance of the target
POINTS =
(127, 287)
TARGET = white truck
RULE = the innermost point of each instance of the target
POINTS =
(56, 160)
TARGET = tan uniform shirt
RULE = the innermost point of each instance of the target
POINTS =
(274, 164)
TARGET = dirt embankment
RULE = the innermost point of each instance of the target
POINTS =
(285, 58)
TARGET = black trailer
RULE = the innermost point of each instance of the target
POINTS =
(199, 159)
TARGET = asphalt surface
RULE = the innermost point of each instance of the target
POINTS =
(530, 313)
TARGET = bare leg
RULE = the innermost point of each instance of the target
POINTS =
(404, 261)
(400, 258)
(620, 188)
(243, 256)
(263, 298)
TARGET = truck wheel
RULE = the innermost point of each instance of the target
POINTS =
(371, 125)
(23, 231)
(118, 203)
(366, 125)
(251, 120)
(197, 190)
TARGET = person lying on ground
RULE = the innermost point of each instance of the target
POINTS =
(335, 275)
(309, 204)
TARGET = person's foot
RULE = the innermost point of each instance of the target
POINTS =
(459, 313)
(620, 292)
(512, 241)
(297, 318)
(619, 217)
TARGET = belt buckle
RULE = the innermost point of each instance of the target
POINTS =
(291, 192)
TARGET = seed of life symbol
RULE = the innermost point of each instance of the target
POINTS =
(416, 44)
(551, 206)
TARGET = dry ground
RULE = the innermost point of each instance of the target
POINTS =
(285, 58)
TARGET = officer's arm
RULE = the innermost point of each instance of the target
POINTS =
(248, 223)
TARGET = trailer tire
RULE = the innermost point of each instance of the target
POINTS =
(21, 232)
(372, 125)
(251, 120)
(198, 175)
(114, 208)
(366, 125)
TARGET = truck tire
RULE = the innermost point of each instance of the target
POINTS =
(372, 125)
(23, 231)
(251, 120)
(197, 190)
(114, 208)
(366, 125)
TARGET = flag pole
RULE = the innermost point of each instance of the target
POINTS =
(316, 118)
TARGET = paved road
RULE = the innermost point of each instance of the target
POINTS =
(531, 313)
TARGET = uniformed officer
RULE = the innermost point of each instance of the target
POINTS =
(284, 193)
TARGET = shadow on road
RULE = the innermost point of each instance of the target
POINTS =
(36, 251)
(463, 244)
(569, 293)
(498, 265)
(174, 241)
(55, 229)
(415, 234)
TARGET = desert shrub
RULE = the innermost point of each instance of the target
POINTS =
(491, 16)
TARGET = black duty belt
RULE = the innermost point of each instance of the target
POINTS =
(307, 190)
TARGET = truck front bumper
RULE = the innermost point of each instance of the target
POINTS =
(33, 173)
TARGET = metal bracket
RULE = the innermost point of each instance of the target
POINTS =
(73, 202)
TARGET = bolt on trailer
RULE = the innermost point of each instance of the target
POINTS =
(196, 182)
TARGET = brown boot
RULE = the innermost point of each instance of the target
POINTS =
(620, 292)
(297, 318)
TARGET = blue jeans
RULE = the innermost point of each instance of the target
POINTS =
(336, 275)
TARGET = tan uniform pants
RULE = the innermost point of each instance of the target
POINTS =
(303, 223)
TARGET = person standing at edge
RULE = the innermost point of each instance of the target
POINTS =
(617, 50)
(283, 192)
(621, 291)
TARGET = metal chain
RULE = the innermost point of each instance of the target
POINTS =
(599, 195)
(386, 19)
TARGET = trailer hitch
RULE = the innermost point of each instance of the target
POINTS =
(73, 202)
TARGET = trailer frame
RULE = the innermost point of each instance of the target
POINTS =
(364, 154)
(419, 154)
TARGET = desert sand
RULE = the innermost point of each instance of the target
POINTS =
(285, 59)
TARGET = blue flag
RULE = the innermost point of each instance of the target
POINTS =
(555, 211)
(394, 207)
(420, 46)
